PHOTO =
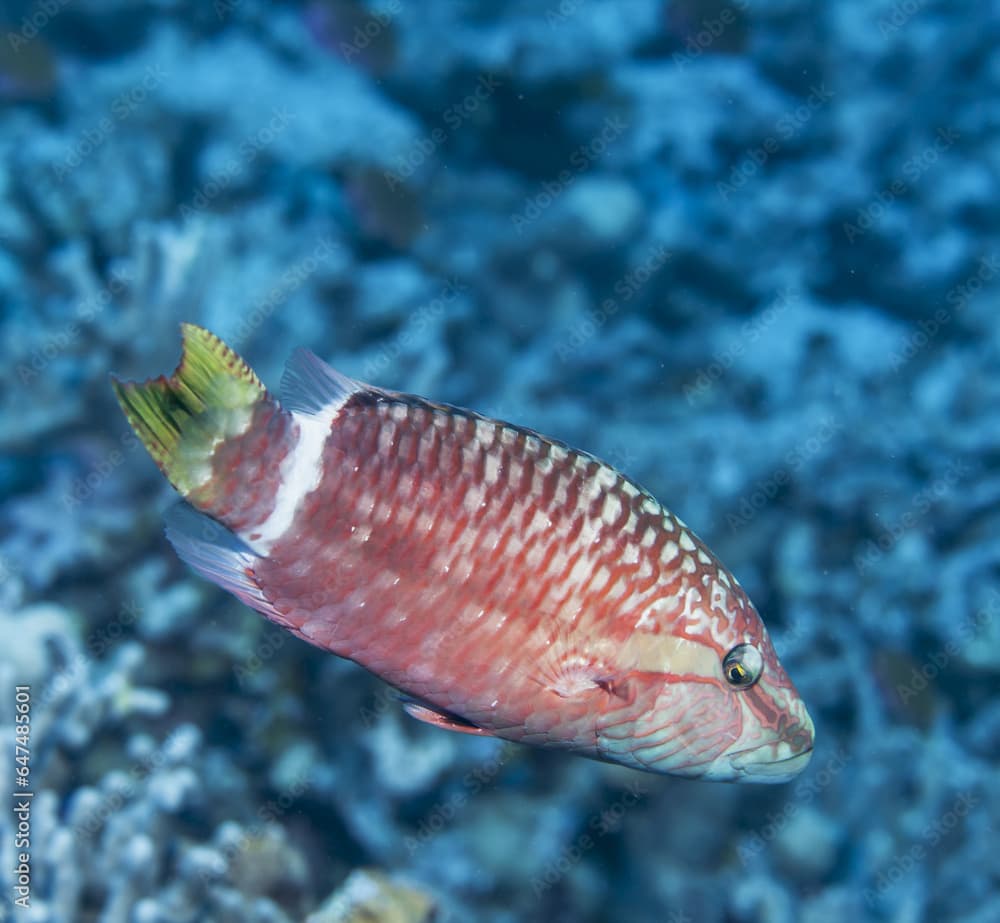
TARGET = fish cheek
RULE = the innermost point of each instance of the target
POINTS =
(625, 699)
(672, 726)
(709, 719)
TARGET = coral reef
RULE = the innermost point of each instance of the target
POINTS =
(747, 252)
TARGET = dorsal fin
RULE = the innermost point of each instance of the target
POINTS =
(309, 385)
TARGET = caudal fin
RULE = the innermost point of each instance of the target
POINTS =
(182, 419)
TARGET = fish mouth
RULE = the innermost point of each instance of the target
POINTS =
(749, 764)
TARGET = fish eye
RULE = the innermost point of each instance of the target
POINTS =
(742, 666)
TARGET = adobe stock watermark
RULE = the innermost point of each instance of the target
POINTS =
(564, 10)
(445, 811)
(454, 116)
(224, 8)
(265, 648)
(710, 30)
(608, 820)
(899, 16)
(957, 298)
(766, 489)
(103, 639)
(290, 281)
(267, 814)
(36, 22)
(111, 802)
(370, 30)
(377, 705)
(59, 341)
(786, 128)
(99, 642)
(249, 150)
(919, 506)
(866, 217)
(751, 330)
(625, 289)
(583, 156)
(83, 488)
(620, 457)
(123, 106)
(930, 837)
(414, 328)
(804, 794)
(930, 668)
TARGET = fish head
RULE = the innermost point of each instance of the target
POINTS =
(706, 697)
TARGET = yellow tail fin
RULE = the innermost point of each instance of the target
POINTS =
(181, 419)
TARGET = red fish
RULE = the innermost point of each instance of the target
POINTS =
(505, 583)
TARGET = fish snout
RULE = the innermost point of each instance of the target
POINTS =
(780, 760)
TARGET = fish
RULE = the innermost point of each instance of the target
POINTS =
(502, 582)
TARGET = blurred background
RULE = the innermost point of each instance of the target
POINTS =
(745, 250)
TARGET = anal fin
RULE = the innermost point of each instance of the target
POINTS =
(442, 719)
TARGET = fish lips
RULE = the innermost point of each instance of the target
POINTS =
(751, 768)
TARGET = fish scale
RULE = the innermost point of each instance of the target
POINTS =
(504, 582)
(432, 450)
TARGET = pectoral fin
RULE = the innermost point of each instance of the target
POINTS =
(442, 719)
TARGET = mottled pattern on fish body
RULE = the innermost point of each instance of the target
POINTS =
(500, 579)
(474, 564)
(489, 571)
